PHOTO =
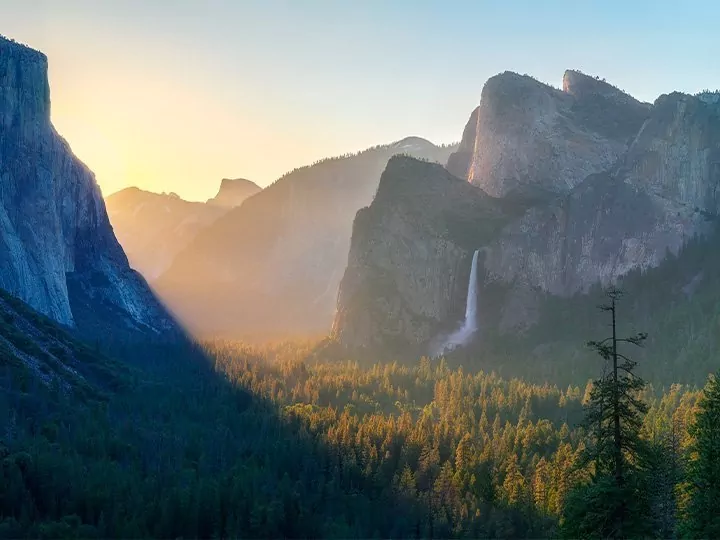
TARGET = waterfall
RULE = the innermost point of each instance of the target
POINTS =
(462, 335)
(471, 303)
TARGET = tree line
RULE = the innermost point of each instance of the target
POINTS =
(235, 441)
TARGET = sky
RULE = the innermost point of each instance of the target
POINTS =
(174, 95)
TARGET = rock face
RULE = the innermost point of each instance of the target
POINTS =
(409, 262)
(273, 265)
(600, 231)
(153, 228)
(57, 248)
(591, 183)
(233, 192)
(538, 141)
(662, 193)
(459, 162)
(677, 152)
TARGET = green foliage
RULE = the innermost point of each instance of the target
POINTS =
(591, 509)
(34, 348)
(614, 504)
(234, 441)
(703, 485)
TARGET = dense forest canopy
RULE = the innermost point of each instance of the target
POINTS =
(226, 440)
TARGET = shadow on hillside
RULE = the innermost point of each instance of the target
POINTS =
(184, 452)
(231, 464)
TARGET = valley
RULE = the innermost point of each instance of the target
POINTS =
(510, 336)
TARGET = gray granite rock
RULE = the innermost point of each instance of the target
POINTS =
(589, 183)
(53, 225)
(662, 192)
(409, 261)
(540, 141)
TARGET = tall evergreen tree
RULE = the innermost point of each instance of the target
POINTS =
(663, 476)
(614, 503)
(703, 511)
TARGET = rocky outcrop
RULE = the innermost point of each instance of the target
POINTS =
(459, 161)
(273, 265)
(409, 260)
(57, 247)
(538, 141)
(603, 229)
(676, 155)
(662, 193)
(233, 192)
(153, 228)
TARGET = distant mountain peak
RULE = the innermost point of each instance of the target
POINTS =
(134, 194)
(127, 190)
(231, 183)
(412, 143)
(284, 250)
(233, 191)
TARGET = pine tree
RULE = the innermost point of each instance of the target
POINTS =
(663, 476)
(614, 504)
(702, 517)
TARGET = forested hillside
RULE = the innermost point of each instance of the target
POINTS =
(232, 441)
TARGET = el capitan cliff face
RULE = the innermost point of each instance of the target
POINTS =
(57, 248)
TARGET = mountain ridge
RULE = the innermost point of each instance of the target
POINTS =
(283, 250)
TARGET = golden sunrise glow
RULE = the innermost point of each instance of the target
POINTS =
(147, 135)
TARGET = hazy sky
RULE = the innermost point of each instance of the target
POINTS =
(174, 95)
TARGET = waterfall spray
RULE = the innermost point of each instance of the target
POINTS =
(462, 335)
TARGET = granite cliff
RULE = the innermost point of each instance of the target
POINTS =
(410, 254)
(660, 194)
(592, 185)
(57, 248)
(459, 161)
(538, 141)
